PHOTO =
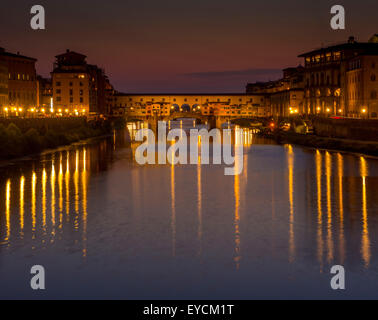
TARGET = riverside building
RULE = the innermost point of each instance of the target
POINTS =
(18, 81)
(78, 87)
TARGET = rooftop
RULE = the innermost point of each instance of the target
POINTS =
(15, 55)
(370, 47)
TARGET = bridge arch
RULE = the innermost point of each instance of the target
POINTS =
(185, 108)
(175, 108)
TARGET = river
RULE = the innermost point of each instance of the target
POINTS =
(103, 226)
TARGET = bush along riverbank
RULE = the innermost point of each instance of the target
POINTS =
(20, 137)
(313, 141)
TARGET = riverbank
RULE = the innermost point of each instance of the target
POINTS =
(314, 141)
(21, 137)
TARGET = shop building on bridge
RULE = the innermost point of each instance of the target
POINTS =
(219, 105)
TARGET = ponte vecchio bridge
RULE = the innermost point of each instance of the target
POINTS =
(205, 107)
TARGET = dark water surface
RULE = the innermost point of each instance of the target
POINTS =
(105, 227)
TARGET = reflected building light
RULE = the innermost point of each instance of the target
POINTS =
(44, 180)
(320, 245)
(328, 165)
(67, 180)
(237, 257)
(173, 206)
(365, 245)
(290, 156)
(84, 159)
(199, 199)
(340, 166)
(22, 205)
(76, 183)
(7, 210)
(52, 182)
(33, 203)
(84, 183)
(60, 184)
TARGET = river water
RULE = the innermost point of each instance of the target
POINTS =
(103, 226)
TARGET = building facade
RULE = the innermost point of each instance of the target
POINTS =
(283, 97)
(44, 93)
(3, 83)
(78, 88)
(22, 83)
(341, 79)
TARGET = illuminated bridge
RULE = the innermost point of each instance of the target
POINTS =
(213, 108)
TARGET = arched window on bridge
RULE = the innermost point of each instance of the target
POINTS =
(196, 108)
(175, 108)
(185, 108)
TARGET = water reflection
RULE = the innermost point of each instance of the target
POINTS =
(33, 214)
(328, 165)
(320, 245)
(365, 245)
(340, 170)
(290, 155)
(290, 207)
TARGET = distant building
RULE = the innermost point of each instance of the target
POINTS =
(78, 88)
(284, 96)
(45, 93)
(22, 85)
(342, 79)
(226, 105)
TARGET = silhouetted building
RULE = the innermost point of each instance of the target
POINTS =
(45, 92)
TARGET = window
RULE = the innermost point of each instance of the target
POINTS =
(81, 92)
(373, 95)
(58, 91)
(58, 84)
(81, 100)
(58, 99)
(71, 84)
(81, 84)
(71, 100)
(71, 92)
(373, 77)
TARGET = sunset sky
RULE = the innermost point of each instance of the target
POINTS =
(182, 46)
